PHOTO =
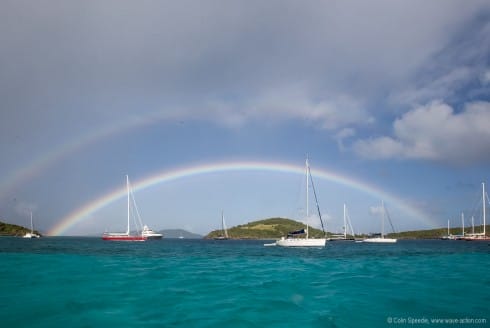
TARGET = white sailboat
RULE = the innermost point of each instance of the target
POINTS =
(382, 238)
(449, 236)
(482, 236)
(224, 235)
(31, 234)
(124, 236)
(290, 240)
(347, 225)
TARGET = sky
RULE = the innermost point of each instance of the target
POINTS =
(390, 100)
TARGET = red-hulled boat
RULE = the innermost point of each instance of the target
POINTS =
(124, 236)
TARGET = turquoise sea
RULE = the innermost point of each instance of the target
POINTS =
(86, 282)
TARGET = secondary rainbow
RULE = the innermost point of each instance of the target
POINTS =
(84, 211)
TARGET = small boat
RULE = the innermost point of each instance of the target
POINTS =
(291, 240)
(224, 234)
(150, 234)
(124, 236)
(381, 238)
(31, 234)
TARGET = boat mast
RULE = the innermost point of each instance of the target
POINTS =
(383, 220)
(448, 227)
(345, 225)
(127, 188)
(307, 164)
(32, 228)
(316, 200)
(462, 220)
(223, 226)
(483, 201)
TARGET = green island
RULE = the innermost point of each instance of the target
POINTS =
(274, 228)
(7, 229)
(265, 229)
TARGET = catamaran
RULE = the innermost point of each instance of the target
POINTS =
(381, 238)
(124, 236)
(31, 234)
(224, 235)
(291, 240)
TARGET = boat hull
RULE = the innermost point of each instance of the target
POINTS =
(156, 236)
(477, 238)
(31, 235)
(380, 240)
(301, 242)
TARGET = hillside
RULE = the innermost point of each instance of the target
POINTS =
(433, 233)
(7, 229)
(274, 228)
(265, 229)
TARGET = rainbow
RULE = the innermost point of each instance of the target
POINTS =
(56, 154)
(86, 210)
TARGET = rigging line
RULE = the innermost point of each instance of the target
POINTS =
(138, 216)
(316, 200)
(389, 219)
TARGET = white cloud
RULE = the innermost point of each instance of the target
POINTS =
(435, 132)
(485, 77)
(439, 88)
(344, 134)
(87, 63)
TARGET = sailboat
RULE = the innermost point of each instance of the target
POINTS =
(347, 224)
(124, 236)
(31, 234)
(224, 235)
(482, 236)
(291, 240)
(449, 236)
(382, 238)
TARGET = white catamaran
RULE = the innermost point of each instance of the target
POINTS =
(382, 238)
(31, 234)
(290, 240)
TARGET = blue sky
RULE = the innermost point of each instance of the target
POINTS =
(393, 94)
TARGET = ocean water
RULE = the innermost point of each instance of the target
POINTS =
(87, 282)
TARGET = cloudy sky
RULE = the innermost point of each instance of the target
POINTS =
(394, 95)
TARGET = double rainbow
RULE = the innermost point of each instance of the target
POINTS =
(86, 210)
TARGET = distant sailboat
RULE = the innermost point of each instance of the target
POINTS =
(31, 234)
(449, 236)
(224, 231)
(124, 236)
(482, 236)
(291, 240)
(382, 238)
(347, 224)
